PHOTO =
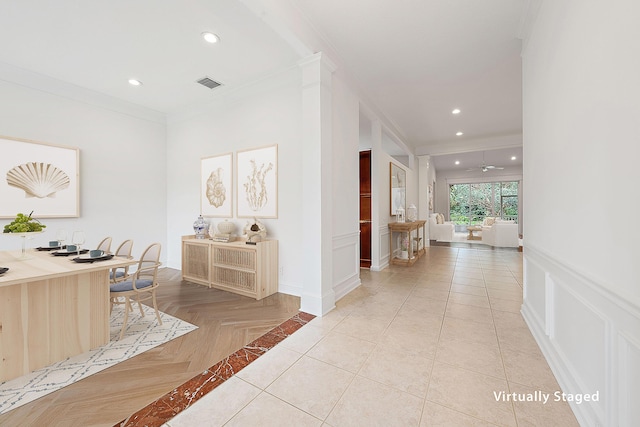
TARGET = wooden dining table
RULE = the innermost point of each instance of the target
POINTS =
(51, 308)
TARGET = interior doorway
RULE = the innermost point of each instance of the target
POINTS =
(365, 209)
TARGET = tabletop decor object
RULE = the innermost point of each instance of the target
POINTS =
(26, 227)
(412, 213)
(200, 227)
(88, 258)
(78, 238)
(255, 231)
(226, 227)
(400, 217)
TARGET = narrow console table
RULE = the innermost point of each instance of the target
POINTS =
(250, 270)
(415, 234)
(51, 308)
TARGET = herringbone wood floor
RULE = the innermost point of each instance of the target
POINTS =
(226, 322)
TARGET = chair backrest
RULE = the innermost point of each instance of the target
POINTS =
(149, 263)
(124, 250)
(105, 244)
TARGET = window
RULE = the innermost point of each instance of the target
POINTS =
(469, 204)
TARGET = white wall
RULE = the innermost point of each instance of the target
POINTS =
(426, 177)
(265, 113)
(122, 163)
(346, 188)
(581, 133)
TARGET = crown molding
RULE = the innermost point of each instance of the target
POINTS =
(527, 22)
(32, 80)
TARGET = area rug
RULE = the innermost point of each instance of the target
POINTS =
(142, 334)
(461, 237)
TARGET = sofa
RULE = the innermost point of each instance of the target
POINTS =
(500, 233)
(439, 229)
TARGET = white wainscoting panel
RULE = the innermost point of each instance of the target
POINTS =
(346, 263)
(383, 245)
(589, 335)
(629, 387)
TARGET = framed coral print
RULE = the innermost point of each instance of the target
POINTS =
(215, 186)
(257, 182)
(38, 177)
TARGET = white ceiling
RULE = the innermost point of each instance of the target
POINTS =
(471, 160)
(414, 59)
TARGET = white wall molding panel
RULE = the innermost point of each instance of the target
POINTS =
(346, 263)
(590, 337)
(383, 245)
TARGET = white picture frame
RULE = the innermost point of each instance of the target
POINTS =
(257, 182)
(38, 177)
(216, 186)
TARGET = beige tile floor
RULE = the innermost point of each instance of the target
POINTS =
(427, 345)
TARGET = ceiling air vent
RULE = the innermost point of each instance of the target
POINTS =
(206, 81)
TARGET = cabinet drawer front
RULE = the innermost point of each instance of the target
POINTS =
(238, 279)
(237, 258)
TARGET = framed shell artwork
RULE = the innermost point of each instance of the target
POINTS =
(38, 177)
(215, 189)
(257, 182)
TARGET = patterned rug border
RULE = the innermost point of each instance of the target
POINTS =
(171, 404)
(142, 334)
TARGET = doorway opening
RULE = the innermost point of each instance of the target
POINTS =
(365, 209)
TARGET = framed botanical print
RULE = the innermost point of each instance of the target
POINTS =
(40, 178)
(216, 191)
(257, 182)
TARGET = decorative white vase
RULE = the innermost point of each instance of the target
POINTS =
(200, 227)
(226, 227)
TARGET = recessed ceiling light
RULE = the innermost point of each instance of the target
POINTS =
(513, 157)
(456, 111)
(210, 37)
(134, 82)
(457, 162)
(459, 133)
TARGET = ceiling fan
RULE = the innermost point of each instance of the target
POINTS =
(485, 167)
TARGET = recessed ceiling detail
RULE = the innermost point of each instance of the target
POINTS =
(210, 83)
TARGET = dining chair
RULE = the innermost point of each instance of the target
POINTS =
(105, 244)
(118, 274)
(140, 286)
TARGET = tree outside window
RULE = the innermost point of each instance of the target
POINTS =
(471, 203)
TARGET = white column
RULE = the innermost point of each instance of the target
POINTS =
(317, 297)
